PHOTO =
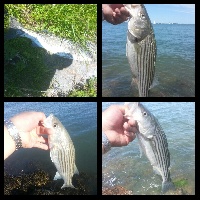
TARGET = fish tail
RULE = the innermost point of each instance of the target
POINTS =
(67, 185)
(167, 185)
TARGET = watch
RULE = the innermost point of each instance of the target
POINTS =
(105, 143)
(14, 133)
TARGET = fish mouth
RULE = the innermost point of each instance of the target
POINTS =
(131, 106)
(47, 122)
(128, 7)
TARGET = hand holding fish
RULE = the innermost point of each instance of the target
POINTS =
(119, 130)
(115, 13)
(29, 129)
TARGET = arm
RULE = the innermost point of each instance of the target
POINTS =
(29, 129)
(9, 144)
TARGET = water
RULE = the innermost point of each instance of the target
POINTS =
(175, 65)
(136, 174)
(80, 120)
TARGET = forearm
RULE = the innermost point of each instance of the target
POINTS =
(9, 144)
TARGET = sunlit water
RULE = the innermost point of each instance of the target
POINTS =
(175, 64)
(80, 120)
(123, 166)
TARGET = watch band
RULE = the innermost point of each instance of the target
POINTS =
(105, 143)
(14, 133)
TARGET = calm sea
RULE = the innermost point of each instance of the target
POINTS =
(80, 120)
(175, 65)
(124, 167)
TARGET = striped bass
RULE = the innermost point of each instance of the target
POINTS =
(62, 151)
(141, 48)
(152, 141)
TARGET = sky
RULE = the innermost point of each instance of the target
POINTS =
(171, 13)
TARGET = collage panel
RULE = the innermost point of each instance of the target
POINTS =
(148, 148)
(50, 148)
(145, 52)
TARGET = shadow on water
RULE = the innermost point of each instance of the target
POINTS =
(27, 66)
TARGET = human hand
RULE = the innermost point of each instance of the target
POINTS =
(119, 130)
(115, 13)
(30, 129)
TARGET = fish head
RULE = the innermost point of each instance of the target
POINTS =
(133, 111)
(139, 113)
(139, 25)
(131, 107)
(53, 122)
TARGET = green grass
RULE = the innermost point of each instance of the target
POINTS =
(24, 67)
(77, 22)
(87, 90)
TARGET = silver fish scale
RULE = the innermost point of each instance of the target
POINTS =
(152, 141)
(64, 160)
(159, 147)
(142, 57)
(141, 54)
(62, 151)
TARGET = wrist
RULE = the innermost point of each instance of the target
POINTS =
(106, 145)
(14, 133)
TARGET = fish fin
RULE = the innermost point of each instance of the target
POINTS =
(167, 185)
(140, 145)
(75, 170)
(57, 176)
(155, 81)
(140, 151)
(126, 50)
(65, 185)
(156, 170)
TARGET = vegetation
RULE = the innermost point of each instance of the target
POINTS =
(87, 90)
(181, 182)
(76, 22)
(19, 55)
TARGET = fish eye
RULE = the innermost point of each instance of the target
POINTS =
(142, 16)
(55, 125)
(144, 113)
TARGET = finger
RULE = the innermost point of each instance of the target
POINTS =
(122, 108)
(129, 128)
(41, 139)
(44, 130)
(38, 117)
(131, 138)
(114, 6)
(121, 17)
(41, 146)
(132, 122)
(41, 116)
(117, 11)
(130, 135)
(124, 12)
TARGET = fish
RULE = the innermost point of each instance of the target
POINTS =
(62, 151)
(141, 48)
(152, 141)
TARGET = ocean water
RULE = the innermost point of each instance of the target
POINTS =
(80, 120)
(175, 65)
(122, 166)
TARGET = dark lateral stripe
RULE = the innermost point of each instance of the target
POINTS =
(66, 161)
(146, 64)
(161, 152)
